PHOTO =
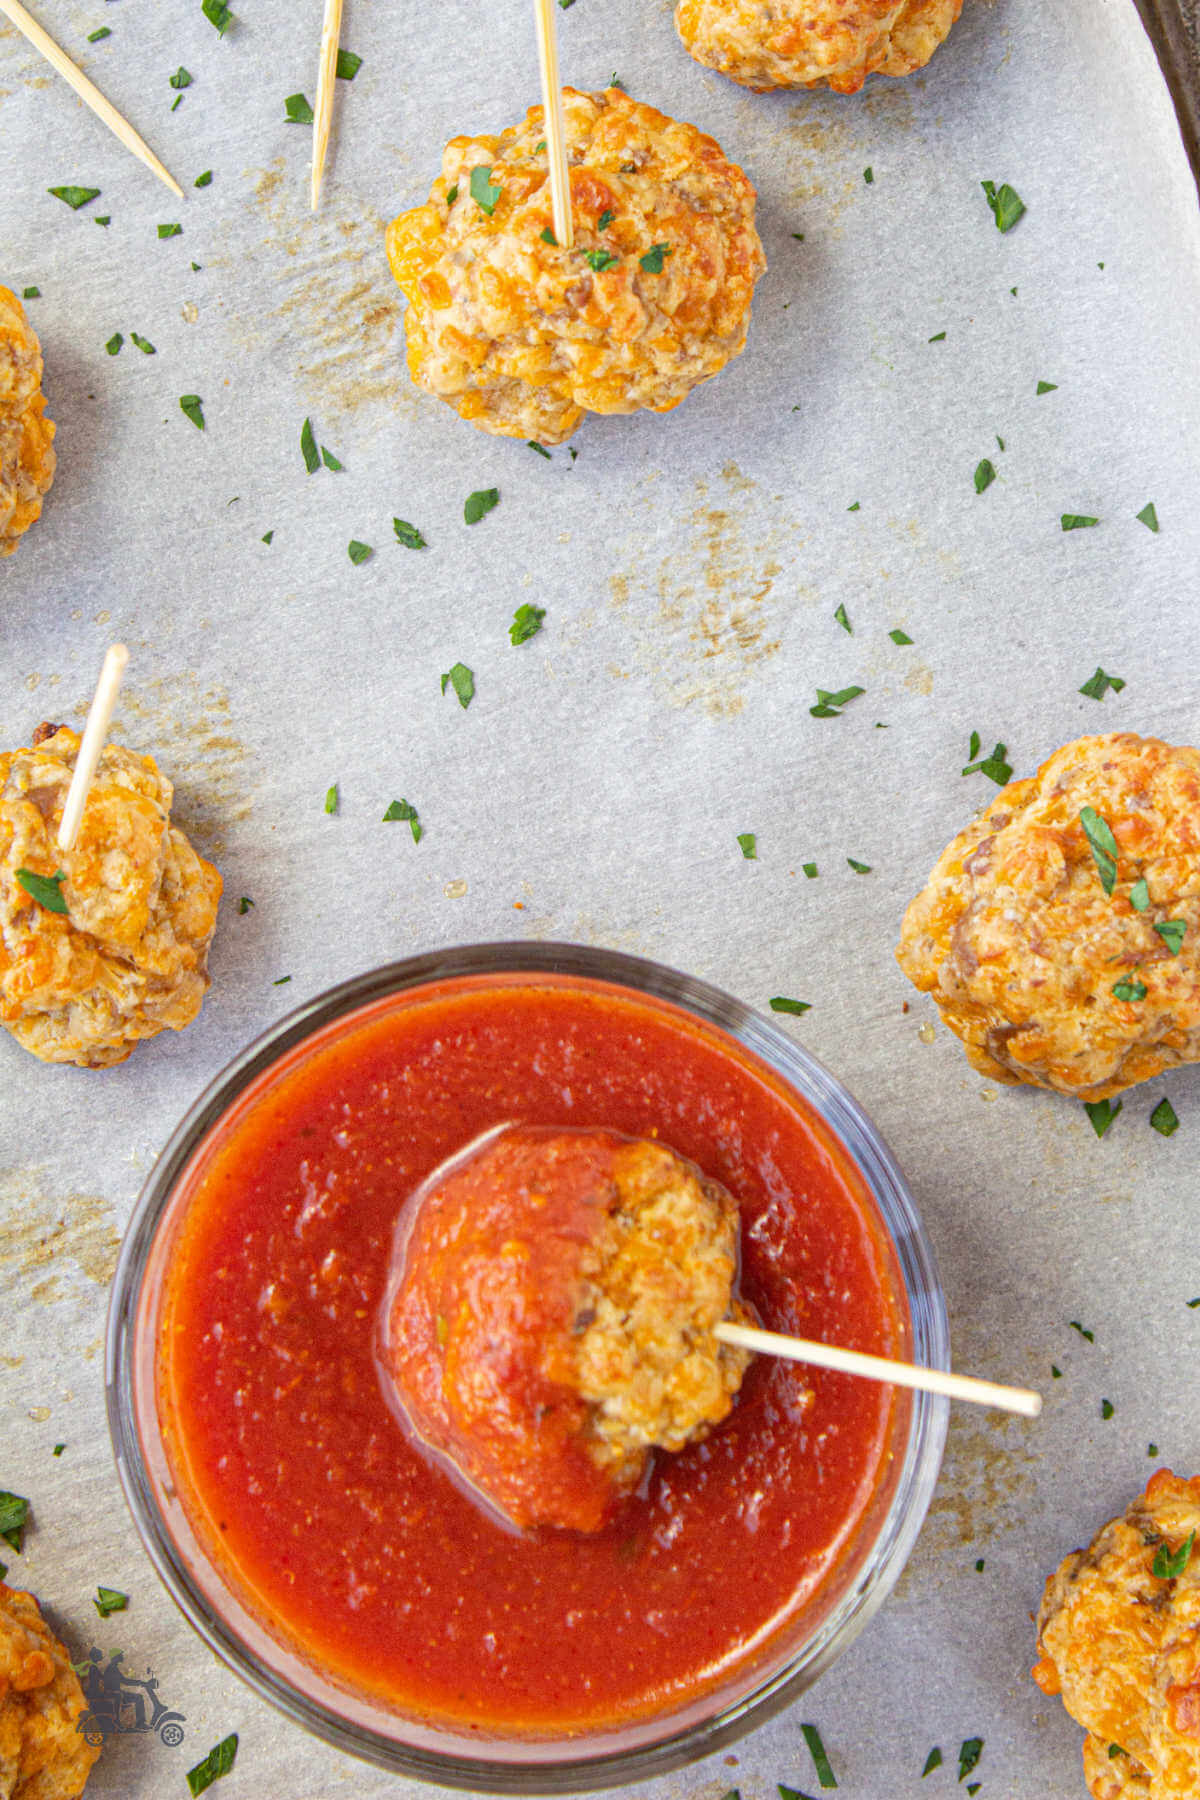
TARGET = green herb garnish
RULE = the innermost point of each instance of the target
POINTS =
(14, 1516)
(348, 65)
(192, 408)
(899, 637)
(1107, 1409)
(1139, 896)
(331, 798)
(868, 176)
(452, 194)
(480, 502)
(358, 552)
(143, 344)
(31, 293)
(180, 79)
(541, 449)
(599, 260)
(408, 535)
(1151, 1449)
(1082, 1329)
(245, 903)
(483, 193)
(266, 537)
(995, 766)
(843, 620)
(748, 843)
(985, 474)
(527, 622)
(101, 31)
(45, 889)
(937, 338)
(114, 343)
(1077, 521)
(222, 1756)
(1102, 1113)
(330, 460)
(400, 809)
(860, 868)
(829, 704)
(1047, 387)
(110, 1600)
(1006, 204)
(1104, 846)
(1172, 932)
(169, 231)
(74, 197)
(811, 871)
(298, 109)
(1148, 516)
(217, 14)
(1164, 1121)
(652, 261)
(462, 680)
(58, 1449)
(968, 1756)
(204, 180)
(781, 1003)
(1056, 1372)
(932, 1761)
(308, 448)
(102, 219)
(605, 220)
(1128, 989)
(281, 981)
(825, 1774)
(1097, 685)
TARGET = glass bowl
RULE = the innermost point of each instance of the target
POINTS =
(361, 1724)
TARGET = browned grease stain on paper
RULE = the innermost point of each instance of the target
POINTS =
(188, 729)
(988, 1484)
(42, 1236)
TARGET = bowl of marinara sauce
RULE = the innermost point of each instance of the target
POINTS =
(339, 1568)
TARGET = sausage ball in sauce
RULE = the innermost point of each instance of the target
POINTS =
(550, 1321)
(43, 1755)
(1046, 976)
(117, 950)
(1119, 1640)
(26, 435)
(813, 43)
(522, 337)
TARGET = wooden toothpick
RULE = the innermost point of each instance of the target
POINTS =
(87, 90)
(882, 1368)
(554, 123)
(326, 83)
(92, 743)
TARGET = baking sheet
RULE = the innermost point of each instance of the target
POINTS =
(690, 568)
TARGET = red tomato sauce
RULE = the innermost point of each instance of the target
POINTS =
(355, 1549)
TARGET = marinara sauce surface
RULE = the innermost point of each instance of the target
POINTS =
(356, 1549)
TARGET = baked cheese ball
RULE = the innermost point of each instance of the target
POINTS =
(43, 1756)
(521, 337)
(550, 1322)
(1119, 1640)
(26, 434)
(128, 957)
(1047, 977)
(813, 43)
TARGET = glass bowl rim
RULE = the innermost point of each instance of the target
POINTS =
(557, 1771)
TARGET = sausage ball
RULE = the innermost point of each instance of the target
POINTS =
(1119, 1640)
(128, 957)
(550, 1318)
(813, 43)
(26, 434)
(42, 1754)
(1046, 976)
(522, 337)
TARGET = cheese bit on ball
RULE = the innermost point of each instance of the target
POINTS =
(1119, 1641)
(813, 43)
(522, 337)
(43, 1755)
(26, 435)
(106, 943)
(1059, 933)
(550, 1319)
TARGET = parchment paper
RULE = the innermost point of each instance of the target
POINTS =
(594, 790)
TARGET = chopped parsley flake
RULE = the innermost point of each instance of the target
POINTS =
(245, 903)
(842, 619)
(605, 220)
(222, 1756)
(281, 981)
(868, 176)
(45, 889)
(266, 537)
(1102, 1113)
(204, 180)
(899, 637)
(308, 448)
(101, 31)
(1047, 387)
(1148, 516)
(652, 260)
(781, 1003)
(995, 766)
(825, 1774)
(102, 219)
(749, 845)
(400, 809)
(358, 552)
(860, 868)
(110, 1600)
(331, 798)
(1006, 204)
(828, 705)
(968, 1756)
(938, 338)
(114, 343)
(1151, 1449)
(480, 502)
(1129, 989)
(1104, 846)
(31, 293)
(1097, 685)
(540, 448)
(462, 680)
(181, 78)
(298, 109)
(408, 535)
(330, 460)
(1077, 521)
(1139, 895)
(348, 65)
(1107, 1409)
(973, 750)
(1055, 1371)
(932, 1761)
(192, 408)
(854, 506)
(985, 474)
(599, 260)
(1172, 933)
(1083, 1331)
(483, 193)
(811, 871)
(168, 231)
(217, 14)
(1000, 441)
(58, 1449)
(1164, 1121)
(452, 194)
(14, 1516)
(548, 237)
(527, 622)
(979, 1565)
(74, 197)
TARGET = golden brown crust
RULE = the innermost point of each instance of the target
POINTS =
(129, 957)
(1122, 1646)
(27, 458)
(766, 44)
(522, 337)
(43, 1756)
(1020, 946)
